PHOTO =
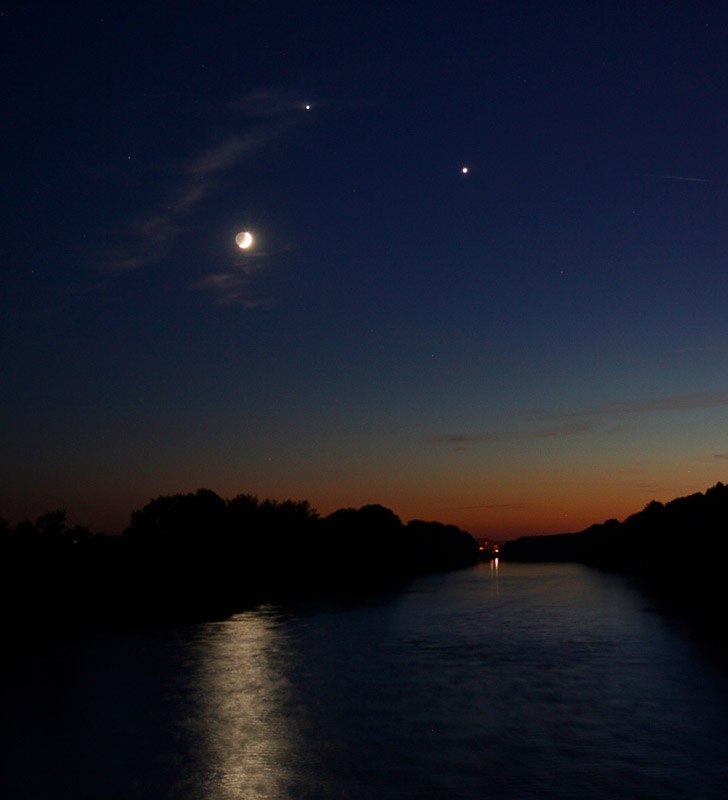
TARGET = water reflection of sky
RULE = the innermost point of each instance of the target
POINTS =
(532, 681)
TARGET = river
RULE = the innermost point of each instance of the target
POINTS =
(508, 682)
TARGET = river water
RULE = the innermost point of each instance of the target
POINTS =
(504, 682)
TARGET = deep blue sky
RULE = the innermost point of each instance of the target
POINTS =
(530, 347)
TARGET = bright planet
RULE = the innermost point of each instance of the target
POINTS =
(243, 240)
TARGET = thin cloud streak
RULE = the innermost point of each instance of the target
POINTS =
(587, 420)
(153, 236)
(703, 349)
(236, 287)
(267, 103)
(494, 506)
(712, 458)
(569, 429)
(684, 178)
(646, 405)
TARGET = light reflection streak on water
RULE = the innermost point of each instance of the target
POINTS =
(494, 574)
(247, 735)
(511, 682)
(526, 682)
(492, 679)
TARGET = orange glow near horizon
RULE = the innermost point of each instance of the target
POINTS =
(516, 504)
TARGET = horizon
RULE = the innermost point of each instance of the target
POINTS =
(467, 263)
(117, 530)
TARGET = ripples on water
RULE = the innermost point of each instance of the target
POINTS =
(522, 682)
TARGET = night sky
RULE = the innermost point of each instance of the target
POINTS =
(531, 346)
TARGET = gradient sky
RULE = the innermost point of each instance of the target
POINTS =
(531, 347)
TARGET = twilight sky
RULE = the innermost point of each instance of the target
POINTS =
(529, 347)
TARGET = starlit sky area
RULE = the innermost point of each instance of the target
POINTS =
(487, 280)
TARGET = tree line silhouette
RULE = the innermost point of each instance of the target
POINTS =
(192, 555)
(676, 550)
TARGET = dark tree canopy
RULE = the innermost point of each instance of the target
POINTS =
(197, 554)
(653, 545)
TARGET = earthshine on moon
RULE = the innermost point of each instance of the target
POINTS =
(243, 240)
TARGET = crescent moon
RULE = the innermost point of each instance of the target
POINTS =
(243, 240)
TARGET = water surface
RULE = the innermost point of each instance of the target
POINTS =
(522, 681)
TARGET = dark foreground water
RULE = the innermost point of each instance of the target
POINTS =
(525, 681)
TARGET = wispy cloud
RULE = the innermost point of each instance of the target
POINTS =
(153, 235)
(717, 348)
(266, 115)
(684, 178)
(681, 402)
(566, 429)
(584, 420)
(494, 506)
(237, 286)
(271, 102)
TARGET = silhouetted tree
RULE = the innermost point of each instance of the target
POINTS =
(653, 545)
(370, 543)
(196, 554)
(51, 525)
(437, 547)
(78, 535)
(25, 530)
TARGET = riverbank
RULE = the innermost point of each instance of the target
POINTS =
(674, 551)
(197, 556)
